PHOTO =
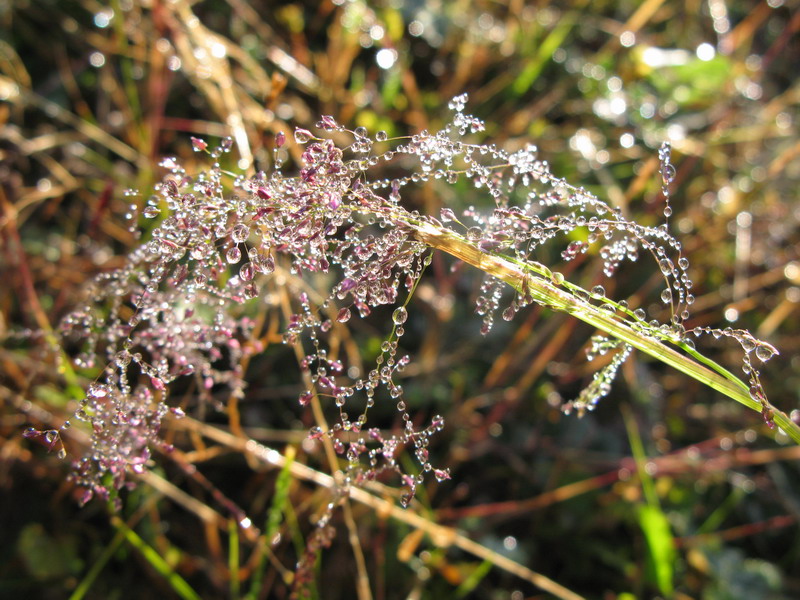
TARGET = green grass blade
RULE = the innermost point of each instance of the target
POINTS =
(97, 567)
(527, 278)
(274, 519)
(176, 582)
(233, 558)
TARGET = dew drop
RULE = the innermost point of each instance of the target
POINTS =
(247, 272)
(151, 212)
(381, 136)
(640, 314)
(233, 255)
(441, 474)
(301, 136)
(748, 344)
(667, 172)
(97, 391)
(666, 296)
(400, 315)
(474, 234)
(239, 233)
(764, 352)
(344, 315)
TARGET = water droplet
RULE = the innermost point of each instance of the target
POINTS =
(301, 136)
(381, 136)
(748, 344)
(474, 234)
(247, 272)
(557, 278)
(667, 172)
(640, 314)
(764, 352)
(233, 255)
(665, 265)
(666, 296)
(683, 263)
(97, 390)
(123, 358)
(599, 290)
(239, 233)
(151, 212)
(344, 315)
(441, 474)
(400, 315)
(30, 432)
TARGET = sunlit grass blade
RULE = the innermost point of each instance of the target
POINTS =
(527, 278)
(152, 556)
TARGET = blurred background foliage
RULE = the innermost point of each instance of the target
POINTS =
(667, 490)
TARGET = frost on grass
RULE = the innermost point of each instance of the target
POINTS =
(177, 307)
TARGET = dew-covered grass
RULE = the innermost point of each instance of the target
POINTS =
(377, 300)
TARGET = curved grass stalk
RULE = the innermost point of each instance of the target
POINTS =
(529, 279)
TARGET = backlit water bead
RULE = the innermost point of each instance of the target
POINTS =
(233, 255)
(666, 296)
(400, 315)
(97, 390)
(764, 352)
(247, 272)
(239, 233)
(474, 234)
(668, 172)
(302, 136)
(381, 136)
